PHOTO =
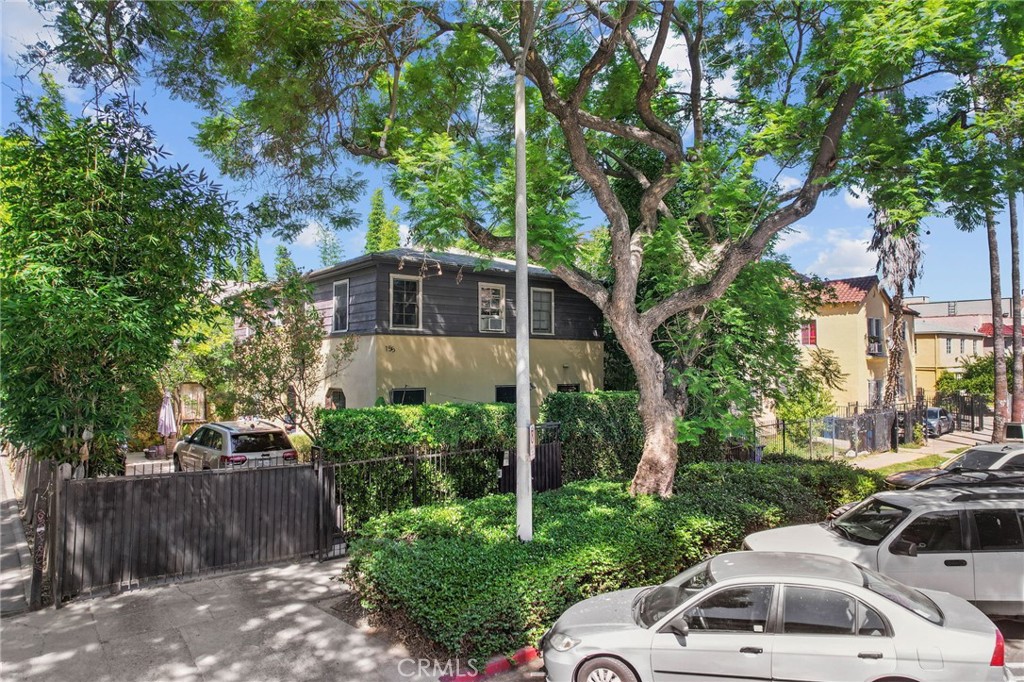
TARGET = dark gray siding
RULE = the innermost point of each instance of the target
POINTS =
(362, 295)
(450, 303)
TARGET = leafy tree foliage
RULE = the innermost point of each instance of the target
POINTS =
(282, 369)
(381, 229)
(104, 257)
(977, 377)
(426, 89)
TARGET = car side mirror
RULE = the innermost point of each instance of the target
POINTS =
(903, 548)
(679, 626)
(188, 439)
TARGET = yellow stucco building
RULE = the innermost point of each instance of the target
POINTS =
(856, 325)
(942, 348)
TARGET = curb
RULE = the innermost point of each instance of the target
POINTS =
(496, 666)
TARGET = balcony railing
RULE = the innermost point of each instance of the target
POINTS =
(876, 348)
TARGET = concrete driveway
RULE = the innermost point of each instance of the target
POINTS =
(270, 624)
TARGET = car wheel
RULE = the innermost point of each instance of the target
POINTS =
(177, 463)
(605, 670)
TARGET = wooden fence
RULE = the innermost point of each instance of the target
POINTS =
(122, 532)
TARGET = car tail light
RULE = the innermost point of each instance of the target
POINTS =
(233, 459)
(289, 455)
(999, 655)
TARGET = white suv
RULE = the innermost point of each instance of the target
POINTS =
(237, 444)
(966, 541)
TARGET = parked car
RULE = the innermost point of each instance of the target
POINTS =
(234, 444)
(774, 616)
(966, 540)
(996, 456)
(937, 422)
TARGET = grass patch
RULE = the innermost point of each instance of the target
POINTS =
(920, 463)
(457, 575)
(959, 451)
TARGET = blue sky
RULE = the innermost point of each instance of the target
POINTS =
(831, 242)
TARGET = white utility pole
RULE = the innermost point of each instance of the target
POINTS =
(524, 478)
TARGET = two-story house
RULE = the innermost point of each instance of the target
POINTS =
(440, 327)
(855, 323)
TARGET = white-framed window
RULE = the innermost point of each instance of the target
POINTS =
(406, 302)
(963, 346)
(975, 346)
(949, 346)
(491, 306)
(876, 336)
(340, 323)
(542, 311)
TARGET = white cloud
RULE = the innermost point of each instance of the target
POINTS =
(673, 54)
(23, 25)
(726, 85)
(310, 236)
(788, 182)
(404, 235)
(855, 197)
(844, 253)
(792, 238)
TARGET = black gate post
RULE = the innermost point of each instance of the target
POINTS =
(783, 422)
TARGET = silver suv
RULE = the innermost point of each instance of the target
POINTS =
(237, 444)
(968, 541)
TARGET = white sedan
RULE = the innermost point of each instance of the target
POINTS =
(774, 616)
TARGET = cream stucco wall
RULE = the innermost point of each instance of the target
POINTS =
(467, 369)
(358, 378)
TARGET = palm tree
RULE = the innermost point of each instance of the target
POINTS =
(899, 264)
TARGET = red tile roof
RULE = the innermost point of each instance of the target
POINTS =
(850, 290)
(986, 329)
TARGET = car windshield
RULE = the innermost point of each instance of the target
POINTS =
(901, 594)
(973, 459)
(933, 413)
(259, 441)
(869, 522)
(655, 603)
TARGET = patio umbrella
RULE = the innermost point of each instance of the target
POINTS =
(167, 426)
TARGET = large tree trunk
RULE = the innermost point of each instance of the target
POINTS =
(896, 348)
(658, 411)
(1017, 411)
(998, 346)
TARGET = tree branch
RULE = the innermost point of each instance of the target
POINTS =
(743, 252)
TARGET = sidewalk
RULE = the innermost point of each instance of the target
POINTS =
(269, 624)
(15, 560)
(935, 446)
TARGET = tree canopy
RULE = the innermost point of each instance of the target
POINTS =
(105, 254)
(699, 104)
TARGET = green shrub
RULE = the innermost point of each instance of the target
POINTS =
(385, 441)
(303, 445)
(458, 573)
(601, 433)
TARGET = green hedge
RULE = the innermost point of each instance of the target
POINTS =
(372, 432)
(457, 572)
(478, 434)
(601, 433)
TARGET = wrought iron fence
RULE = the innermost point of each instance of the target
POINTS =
(367, 488)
